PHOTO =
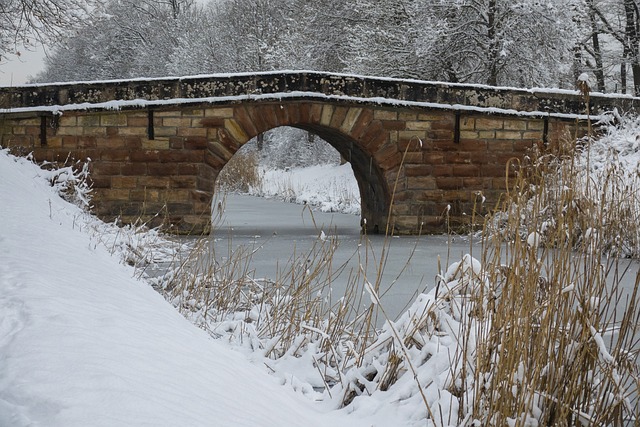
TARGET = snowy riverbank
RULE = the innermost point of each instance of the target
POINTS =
(84, 343)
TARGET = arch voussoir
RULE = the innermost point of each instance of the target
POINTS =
(244, 116)
(339, 114)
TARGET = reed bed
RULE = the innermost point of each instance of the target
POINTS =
(537, 325)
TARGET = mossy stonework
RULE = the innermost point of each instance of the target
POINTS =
(422, 164)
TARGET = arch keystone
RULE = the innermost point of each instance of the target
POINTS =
(327, 112)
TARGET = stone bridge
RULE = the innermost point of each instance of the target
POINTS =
(423, 153)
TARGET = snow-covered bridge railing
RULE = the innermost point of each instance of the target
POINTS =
(557, 103)
(157, 145)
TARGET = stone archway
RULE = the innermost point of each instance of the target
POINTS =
(347, 129)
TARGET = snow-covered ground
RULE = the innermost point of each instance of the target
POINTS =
(84, 343)
(329, 188)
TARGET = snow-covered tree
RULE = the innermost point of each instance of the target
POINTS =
(131, 39)
(24, 23)
(392, 38)
(500, 42)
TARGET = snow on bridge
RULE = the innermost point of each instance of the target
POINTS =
(418, 149)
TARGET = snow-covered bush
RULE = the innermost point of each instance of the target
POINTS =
(71, 181)
(288, 147)
(533, 332)
(592, 187)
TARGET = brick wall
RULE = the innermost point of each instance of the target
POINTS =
(160, 165)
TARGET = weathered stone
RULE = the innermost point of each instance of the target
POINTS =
(440, 163)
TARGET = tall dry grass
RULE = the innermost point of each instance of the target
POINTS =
(240, 174)
(559, 339)
(538, 327)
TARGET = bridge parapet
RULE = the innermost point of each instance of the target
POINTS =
(420, 151)
(543, 102)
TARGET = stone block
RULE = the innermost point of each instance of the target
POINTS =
(146, 156)
(162, 169)
(69, 130)
(515, 124)
(501, 146)
(54, 141)
(116, 155)
(183, 182)
(165, 132)
(105, 169)
(153, 182)
(418, 125)
(350, 119)
(193, 131)
(181, 156)
(221, 112)
(533, 124)
(145, 194)
(390, 115)
(113, 119)
(339, 115)
(487, 134)
(393, 125)
(115, 194)
(133, 169)
(195, 143)
(236, 131)
(509, 135)
(489, 124)
(155, 144)
(89, 120)
(132, 131)
(94, 131)
(124, 182)
(67, 120)
(327, 113)
(467, 123)
(407, 116)
(176, 122)
(422, 183)
(412, 135)
(142, 121)
(466, 170)
(449, 183)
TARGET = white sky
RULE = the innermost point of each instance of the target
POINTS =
(22, 68)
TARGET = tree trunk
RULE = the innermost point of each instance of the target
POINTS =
(635, 68)
(623, 76)
(597, 52)
(632, 36)
(260, 141)
(494, 44)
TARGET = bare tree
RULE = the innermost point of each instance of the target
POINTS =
(24, 23)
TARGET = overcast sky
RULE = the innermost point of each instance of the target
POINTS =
(20, 69)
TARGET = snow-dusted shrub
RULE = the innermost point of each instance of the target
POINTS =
(70, 180)
(592, 187)
(241, 174)
(288, 147)
(533, 332)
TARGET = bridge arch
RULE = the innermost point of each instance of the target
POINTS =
(348, 132)
(158, 145)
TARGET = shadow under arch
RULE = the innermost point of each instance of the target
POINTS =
(374, 195)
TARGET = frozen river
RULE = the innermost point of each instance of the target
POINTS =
(278, 231)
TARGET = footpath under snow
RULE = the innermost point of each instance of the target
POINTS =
(83, 343)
